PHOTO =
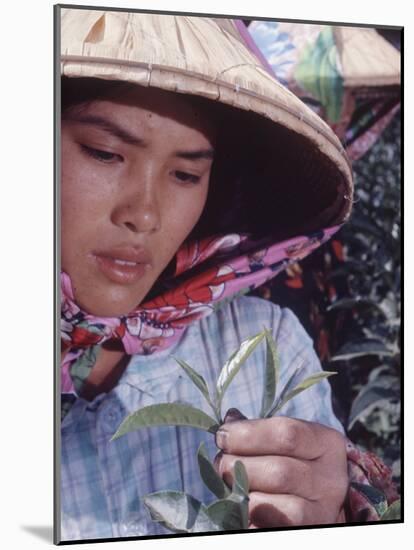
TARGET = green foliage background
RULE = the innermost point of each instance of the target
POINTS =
(347, 294)
(367, 349)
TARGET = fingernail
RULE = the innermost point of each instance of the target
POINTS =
(221, 438)
(233, 414)
(217, 460)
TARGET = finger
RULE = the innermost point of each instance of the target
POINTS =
(275, 436)
(273, 474)
(286, 510)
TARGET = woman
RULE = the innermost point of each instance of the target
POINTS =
(188, 176)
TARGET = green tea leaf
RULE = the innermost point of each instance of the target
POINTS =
(197, 380)
(392, 512)
(288, 386)
(302, 386)
(232, 366)
(209, 475)
(179, 512)
(166, 414)
(240, 492)
(232, 512)
(227, 513)
(271, 376)
(240, 480)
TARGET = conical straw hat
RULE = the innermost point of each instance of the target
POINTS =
(366, 58)
(207, 57)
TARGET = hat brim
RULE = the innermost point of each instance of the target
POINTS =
(199, 56)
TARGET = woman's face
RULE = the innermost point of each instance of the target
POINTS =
(135, 177)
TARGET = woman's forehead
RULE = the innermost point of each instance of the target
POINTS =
(145, 130)
(154, 109)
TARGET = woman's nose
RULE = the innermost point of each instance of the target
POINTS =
(139, 209)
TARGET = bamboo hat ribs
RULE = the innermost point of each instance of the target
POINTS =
(297, 166)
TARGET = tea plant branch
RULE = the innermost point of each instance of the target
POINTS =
(177, 414)
(180, 512)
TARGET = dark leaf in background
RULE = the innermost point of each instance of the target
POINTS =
(366, 226)
(352, 350)
(369, 397)
(357, 302)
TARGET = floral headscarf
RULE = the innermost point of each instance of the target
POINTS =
(233, 264)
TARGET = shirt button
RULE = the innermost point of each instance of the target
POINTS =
(111, 417)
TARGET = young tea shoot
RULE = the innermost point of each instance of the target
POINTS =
(178, 511)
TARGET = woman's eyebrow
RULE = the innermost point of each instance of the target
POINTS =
(124, 135)
(201, 154)
(107, 126)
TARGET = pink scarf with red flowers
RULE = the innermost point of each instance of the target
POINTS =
(233, 265)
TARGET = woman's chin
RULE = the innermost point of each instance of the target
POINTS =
(108, 308)
(111, 312)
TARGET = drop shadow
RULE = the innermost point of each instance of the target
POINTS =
(43, 532)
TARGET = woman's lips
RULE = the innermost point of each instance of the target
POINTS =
(123, 265)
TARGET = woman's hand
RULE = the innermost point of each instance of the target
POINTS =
(297, 470)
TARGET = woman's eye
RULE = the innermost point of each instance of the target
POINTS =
(185, 177)
(103, 156)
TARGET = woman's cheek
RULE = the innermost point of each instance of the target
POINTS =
(190, 212)
(84, 198)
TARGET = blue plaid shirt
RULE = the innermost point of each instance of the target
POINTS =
(102, 482)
